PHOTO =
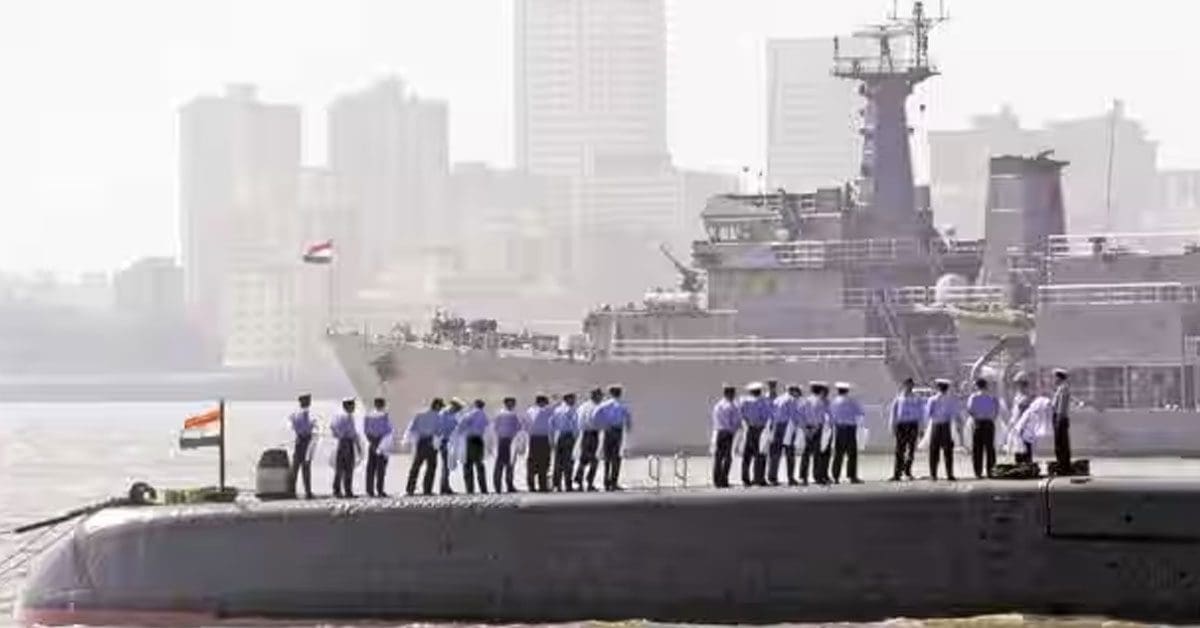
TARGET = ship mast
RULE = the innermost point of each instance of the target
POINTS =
(886, 79)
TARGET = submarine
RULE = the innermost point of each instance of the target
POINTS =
(1119, 548)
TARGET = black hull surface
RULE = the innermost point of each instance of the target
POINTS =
(1115, 548)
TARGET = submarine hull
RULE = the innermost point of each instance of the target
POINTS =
(1126, 549)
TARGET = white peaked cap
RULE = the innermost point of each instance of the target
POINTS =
(347, 399)
(843, 386)
(942, 381)
(1061, 371)
(754, 386)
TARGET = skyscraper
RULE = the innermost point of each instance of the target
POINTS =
(390, 149)
(239, 163)
(813, 124)
(591, 83)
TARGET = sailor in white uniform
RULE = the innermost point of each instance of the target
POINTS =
(943, 413)
(789, 409)
(589, 441)
(846, 414)
(756, 414)
(447, 428)
(347, 450)
(1022, 399)
(984, 409)
(1061, 404)
(904, 418)
(537, 425)
(424, 430)
(777, 431)
(726, 421)
(303, 426)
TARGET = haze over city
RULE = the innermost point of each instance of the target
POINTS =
(90, 157)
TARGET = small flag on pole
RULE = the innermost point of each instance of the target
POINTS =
(319, 253)
(202, 430)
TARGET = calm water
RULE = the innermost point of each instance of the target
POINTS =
(54, 457)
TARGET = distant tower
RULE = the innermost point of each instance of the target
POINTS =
(886, 80)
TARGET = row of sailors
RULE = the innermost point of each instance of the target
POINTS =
(600, 425)
(825, 431)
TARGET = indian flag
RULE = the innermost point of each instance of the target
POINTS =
(202, 430)
(319, 253)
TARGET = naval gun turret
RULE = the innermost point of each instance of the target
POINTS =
(690, 279)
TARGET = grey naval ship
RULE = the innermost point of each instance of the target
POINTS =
(854, 283)
(800, 286)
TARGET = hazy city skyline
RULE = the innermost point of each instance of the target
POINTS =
(89, 151)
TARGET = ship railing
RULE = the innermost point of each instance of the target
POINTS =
(1122, 244)
(749, 349)
(833, 253)
(1118, 293)
(908, 297)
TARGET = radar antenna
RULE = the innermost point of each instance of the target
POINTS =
(690, 279)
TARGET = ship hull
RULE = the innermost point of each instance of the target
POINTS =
(1125, 549)
(672, 401)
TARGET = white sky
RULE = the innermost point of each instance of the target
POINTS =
(87, 116)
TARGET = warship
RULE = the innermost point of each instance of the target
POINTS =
(855, 283)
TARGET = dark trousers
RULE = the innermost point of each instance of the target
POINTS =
(301, 465)
(983, 448)
(775, 453)
(473, 468)
(1026, 455)
(941, 443)
(444, 452)
(564, 462)
(537, 465)
(426, 456)
(612, 457)
(723, 459)
(812, 455)
(906, 449)
(845, 446)
(1062, 443)
(502, 473)
(589, 447)
(343, 471)
(376, 467)
(751, 454)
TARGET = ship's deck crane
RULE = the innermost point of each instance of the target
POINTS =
(690, 279)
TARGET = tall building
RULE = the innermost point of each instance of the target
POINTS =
(390, 148)
(591, 81)
(1109, 183)
(1179, 199)
(240, 162)
(813, 136)
(150, 287)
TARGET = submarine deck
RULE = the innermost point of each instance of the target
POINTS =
(1086, 546)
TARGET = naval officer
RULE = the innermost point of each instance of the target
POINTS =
(615, 419)
(1061, 406)
(1022, 399)
(376, 425)
(303, 426)
(537, 425)
(589, 441)
(447, 427)
(507, 426)
(424, 430)
(726, 421)
(904, 419)
(473, 427)
(564, 424)
(756, 413)
(984, 408)
(943, 413)
(814, 418)
(846, 414)
(789, 408)
(777, 430)
(347, 450)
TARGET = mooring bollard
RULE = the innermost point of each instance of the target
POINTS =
(681, 468)
(654, 470)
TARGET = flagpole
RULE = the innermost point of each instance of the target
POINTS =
(331, 294)
(221, 446)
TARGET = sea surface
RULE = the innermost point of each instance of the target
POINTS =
(57, 456)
